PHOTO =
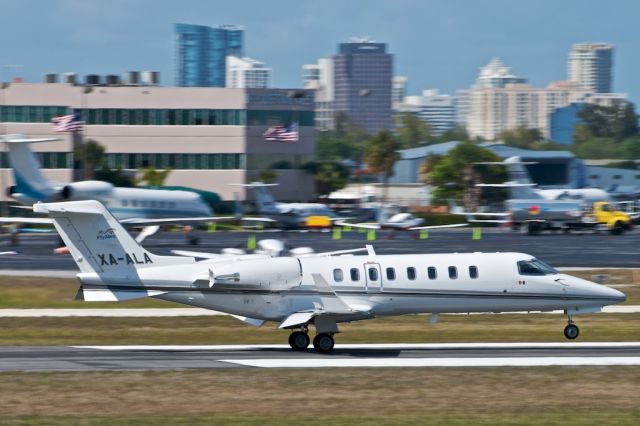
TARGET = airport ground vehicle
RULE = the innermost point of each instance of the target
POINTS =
(533, 218)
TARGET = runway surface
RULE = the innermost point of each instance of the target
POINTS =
(588, 250)
(118, 358)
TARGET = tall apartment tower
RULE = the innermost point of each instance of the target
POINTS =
(319, 77)
(363, 71)
(201, 53)
(591, 66)
(247, 73)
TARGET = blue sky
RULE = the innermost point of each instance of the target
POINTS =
(437, 44)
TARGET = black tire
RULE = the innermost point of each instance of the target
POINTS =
(323, 343)
(618, 228)
(571, 332)
(299, 341)
(533, 228)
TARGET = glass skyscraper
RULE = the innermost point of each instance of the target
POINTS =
(201, 53)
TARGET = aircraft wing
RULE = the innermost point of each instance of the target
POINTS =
(165, 221)
(504, 185)
(359, 225)
(455, 225)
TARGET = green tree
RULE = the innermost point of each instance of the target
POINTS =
(458, 133)
(152, 176)
(328, 176)
(380, 154)
(521, 137)
(455, 176)
(116, 177)
(90, 154)
(346, 141)
(267, 175)
(618, 122)
(412, 132)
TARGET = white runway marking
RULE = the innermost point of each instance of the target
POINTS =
(434, 362)
(376, 346)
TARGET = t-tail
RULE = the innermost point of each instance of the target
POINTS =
(264, 199)
(103, 250)
(520, 185)
(31, 185)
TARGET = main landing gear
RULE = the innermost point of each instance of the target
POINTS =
(323, 342)
(571, 331)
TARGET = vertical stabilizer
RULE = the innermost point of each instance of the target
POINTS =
(264, 200)
(518, 175)
(30, 182)
(97, 241)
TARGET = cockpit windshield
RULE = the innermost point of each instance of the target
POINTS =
(535, 267)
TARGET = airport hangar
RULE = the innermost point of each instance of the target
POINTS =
(552, 169)
(210, 137)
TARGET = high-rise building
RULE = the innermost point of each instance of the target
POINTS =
(591, 66)
(496, 74)
(201, 53)
(247, 73)
(433, 108)
(363, 72)
(398, 91)
(495, 109)
(319, 77)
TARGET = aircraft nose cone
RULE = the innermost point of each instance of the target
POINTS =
(615, 295)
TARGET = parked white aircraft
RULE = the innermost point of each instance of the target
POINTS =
(316, 289)
(522, 187)
(131, 206)
(402, 221)
(291, 215)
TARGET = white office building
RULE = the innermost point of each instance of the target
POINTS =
(319, 77)
(247, 73)
(591, 65)
(435, 109)
(398, 91)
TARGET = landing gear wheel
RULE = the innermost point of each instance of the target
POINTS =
(323, 343)
(571, 331)
(299, 340)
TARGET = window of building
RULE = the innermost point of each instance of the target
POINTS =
(453, 272)
(473, 272)
(431, 273)
(411, 273)
(337, 275)
(391, 274)
(355, 274)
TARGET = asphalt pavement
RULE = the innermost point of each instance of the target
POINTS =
(118, 358)
(560, 250)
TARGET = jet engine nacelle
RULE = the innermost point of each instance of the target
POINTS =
(86, 189)
(280, 273)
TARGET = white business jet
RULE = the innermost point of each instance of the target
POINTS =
(131, 206)
(321, 289)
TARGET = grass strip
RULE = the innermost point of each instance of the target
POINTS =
(227, 330)
(542, 395)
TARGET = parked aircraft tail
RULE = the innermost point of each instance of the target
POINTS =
(264, 199)
(98, 243)
(31, 185)
(519, 184)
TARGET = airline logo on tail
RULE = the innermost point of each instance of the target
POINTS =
(106, 234)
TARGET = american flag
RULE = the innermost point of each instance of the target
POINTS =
(282, 133)
(68, 123)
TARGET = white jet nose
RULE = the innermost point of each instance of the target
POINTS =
(595, 291)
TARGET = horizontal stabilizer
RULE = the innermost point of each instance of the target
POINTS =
(33, 220)
(106, 295)
(505, 185)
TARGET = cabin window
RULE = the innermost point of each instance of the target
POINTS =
(431, 272)
(453, 272)
(391, 274)
(535, 267)
(355, 274)
(134, 203)
(411, 273)
(473, 272)
(373, 274)
(125, 203)
(337, 275)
